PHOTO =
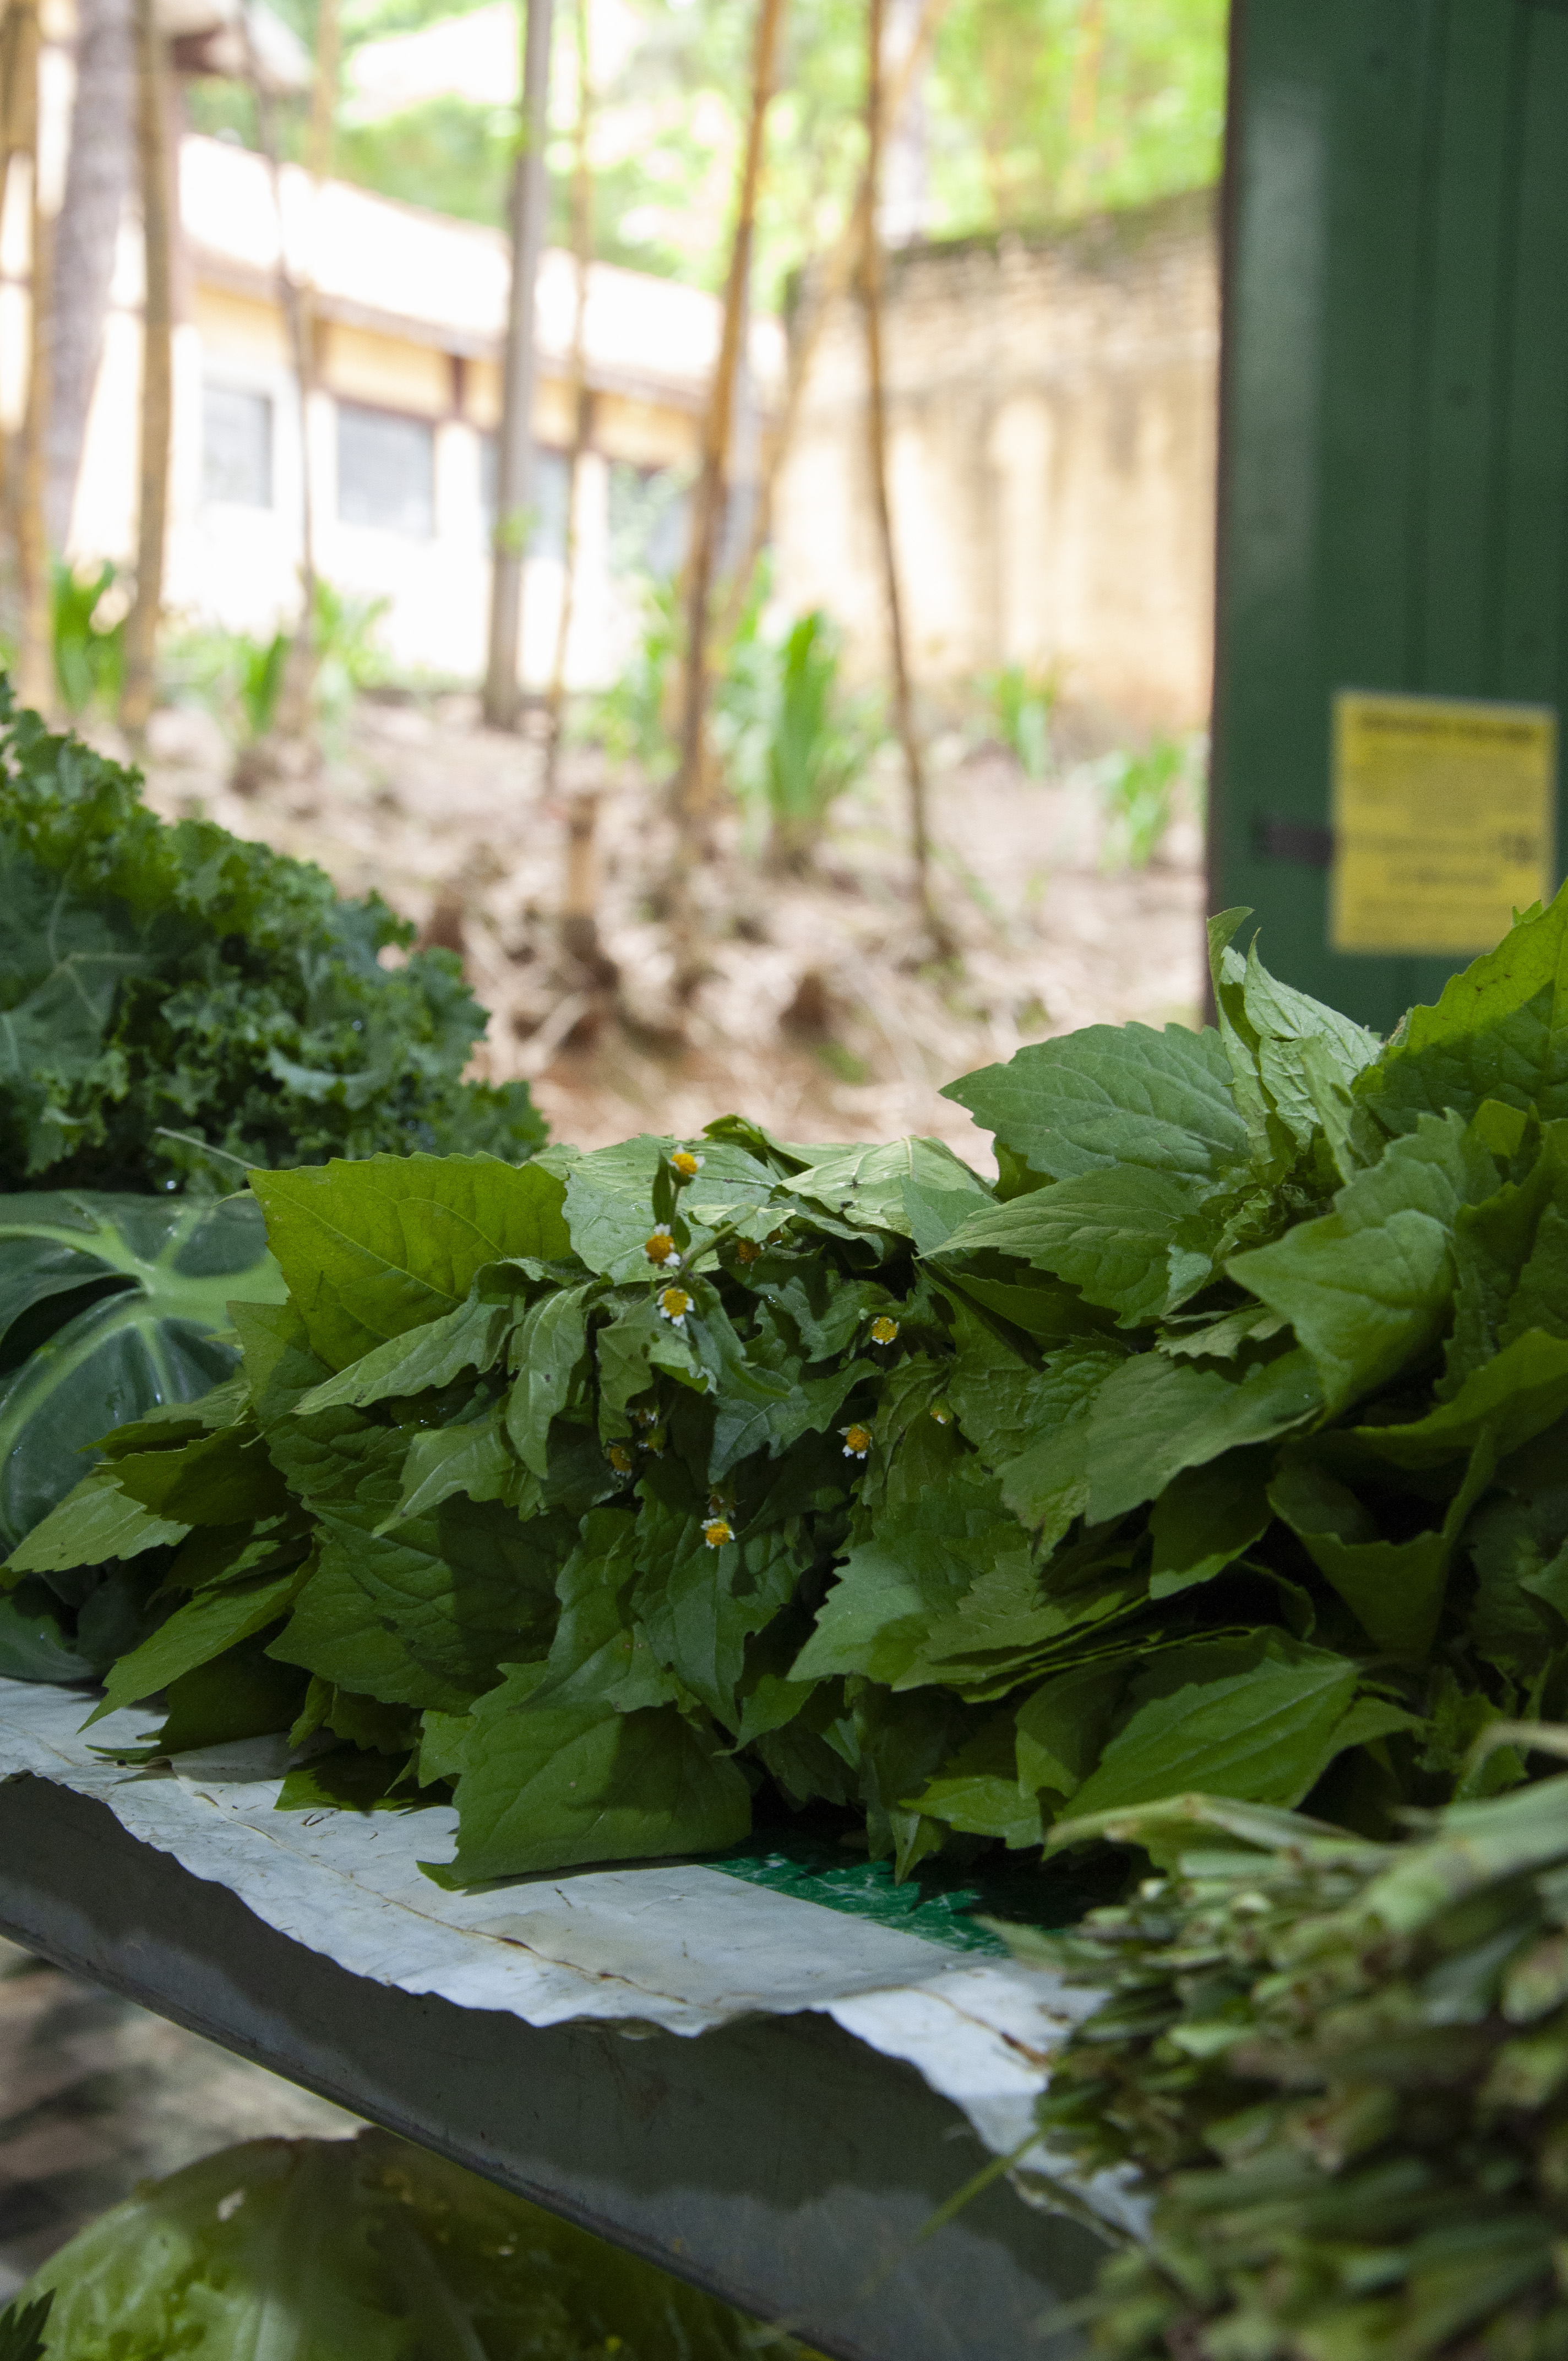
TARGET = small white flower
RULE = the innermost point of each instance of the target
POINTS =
(686, 1162)
(673, 1306)
(661, 1248)
(857, 1440)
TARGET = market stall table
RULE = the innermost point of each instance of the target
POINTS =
(770, 2097)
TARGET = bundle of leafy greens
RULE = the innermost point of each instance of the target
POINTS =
(358, 2250)
(1219, 1447)
(176, 1005)
(1341, 2070)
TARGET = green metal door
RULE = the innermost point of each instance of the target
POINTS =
(1394, 418)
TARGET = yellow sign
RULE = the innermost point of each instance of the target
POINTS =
(1443, 821)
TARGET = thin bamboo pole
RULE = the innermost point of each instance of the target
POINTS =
(157, 378)
(828, 282)
(296, 701)
(690, 791)
(26, 460)
(876, 414)
(514, 471)
(579, 896)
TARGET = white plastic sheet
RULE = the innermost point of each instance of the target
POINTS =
(678, 1947)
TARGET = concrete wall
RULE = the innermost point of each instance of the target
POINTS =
(1052, 415)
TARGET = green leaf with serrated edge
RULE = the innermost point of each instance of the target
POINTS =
(557, 1786)
(1129, 1238)
(1270, 1146)
(864, 1186)
(1046, 1484)
(900, 1742)
(1394, 1588)
(1222, 1339)
(921, 1561)
(227, 1479)
(1540, 1302)
(544, 1355)
(610, 1198)
(632, 1348)
(1014, 1620)
(160, 1335)
(1304, 1050)
(1206, 1517)
(699, 1604)
(976, 1789)
(171, 1425)
(1112, 1096)
(241, 1694)
(92, 1523)
(1207, 1721)
(464, 1587)
(1369, 1286)
(475, 1459)
(207, 1626)
(444, 1744)
(373, 1249)
(344, 1634)
(1498, 1031)
(932, 1214)
(1494, 1240)
(1152, 1417)
(600, 1654)
(1514, 1397)
(423, 1359)
(1062, 1726)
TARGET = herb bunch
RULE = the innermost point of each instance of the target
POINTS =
(1340, 2068)
(177, 1004)
(1218, 1448)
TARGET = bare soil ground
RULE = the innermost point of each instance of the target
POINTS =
(822, 1015)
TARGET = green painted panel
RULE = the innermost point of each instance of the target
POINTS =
(1394, 460)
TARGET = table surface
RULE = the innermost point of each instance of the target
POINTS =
(776, 2160)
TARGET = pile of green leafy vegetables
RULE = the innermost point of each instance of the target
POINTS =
(1219, 1447)
(175, 1007)
(1339, 2071)
(177, 1004)
(361, 2250)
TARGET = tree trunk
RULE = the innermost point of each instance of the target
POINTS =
(514, 470)
(831, 278)
(97, 181)
(296, 699)
(24, 470)
(690, 795)
(579, 898)
(156, 378)
(876, 416)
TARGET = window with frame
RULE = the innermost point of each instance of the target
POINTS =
(386, 470)
(237, 446)
(552, 482)
(649, 517)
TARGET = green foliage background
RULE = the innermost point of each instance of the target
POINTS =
(1012, 143)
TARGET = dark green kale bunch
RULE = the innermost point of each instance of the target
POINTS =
(1340, 2068)
(176, 1005)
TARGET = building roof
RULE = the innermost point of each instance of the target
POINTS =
(377, 264)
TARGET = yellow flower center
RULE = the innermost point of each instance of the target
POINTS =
(715, 1533)
(858, 1439)
(884, 1330)
(660, 1247)
(747, 1250)
(675, 1302)
(687, 1165)
(620, 1458)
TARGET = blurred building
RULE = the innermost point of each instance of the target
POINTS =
(400, 432)
(1052, 411)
